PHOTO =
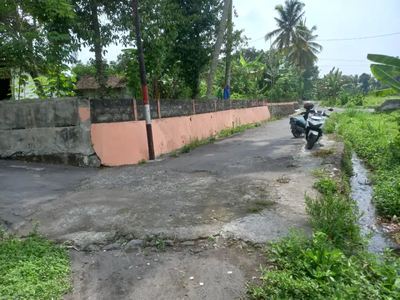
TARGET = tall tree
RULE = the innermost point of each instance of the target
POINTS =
(195, 39)
(364, 80)
(304, 50)
(217, 49)
(93, 30)
(290, 16)
(229, 45)
(28, 36)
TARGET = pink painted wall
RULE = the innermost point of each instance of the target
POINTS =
(84, 113)
(125, 143)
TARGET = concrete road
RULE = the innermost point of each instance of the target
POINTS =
(205, 192)
(210, 191)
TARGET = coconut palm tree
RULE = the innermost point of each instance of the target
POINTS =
(304, 50)
(290, 16)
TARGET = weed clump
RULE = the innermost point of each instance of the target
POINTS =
(33, 269)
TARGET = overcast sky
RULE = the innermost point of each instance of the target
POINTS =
(335, 19)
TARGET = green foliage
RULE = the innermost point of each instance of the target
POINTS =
(334, 264)
(325, 186)
(237, 129)
(335, 215)
(386, 69)
(254, 209)
(305, 268)
(174, 154)
(197, 143)
(142, 162)
(374, 137)
(319, 173)
(160, 244)
(287, 88)
(33, 269)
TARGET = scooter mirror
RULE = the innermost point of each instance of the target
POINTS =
(330, 109)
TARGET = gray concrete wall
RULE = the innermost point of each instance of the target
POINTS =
(47, 130)
(121, 110)
(281, 110)
(390, 104)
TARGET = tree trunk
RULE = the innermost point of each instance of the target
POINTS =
(98, 49)
(229, 47)
(217, 48)
(35, 74)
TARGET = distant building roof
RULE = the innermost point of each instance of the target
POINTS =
(90, 82)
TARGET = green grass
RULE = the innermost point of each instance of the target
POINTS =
(254, 209)
(142, 162)
(373, 101)
(196, 143)
(33, 269)
(325, 186)
(319, 173)
(368, 101)
(237, 129)
(175, 153)
(376, 139)
(334, 263)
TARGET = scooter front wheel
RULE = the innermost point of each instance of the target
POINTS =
(312, 139)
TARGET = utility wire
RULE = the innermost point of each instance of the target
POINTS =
(334, 59)
(345, 39)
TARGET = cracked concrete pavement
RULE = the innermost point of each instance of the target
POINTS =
(204, 193)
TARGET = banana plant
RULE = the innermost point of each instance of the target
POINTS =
(385, 70)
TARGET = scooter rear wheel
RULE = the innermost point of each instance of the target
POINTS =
(296, 133)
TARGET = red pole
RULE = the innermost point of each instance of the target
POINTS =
(143, 80)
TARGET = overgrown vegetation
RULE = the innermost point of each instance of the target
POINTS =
(334, 263)
(313, 268)
(325, 186)
(33, 268)
(375, 138)
(237, 129)
(197, 143)
(142, 162)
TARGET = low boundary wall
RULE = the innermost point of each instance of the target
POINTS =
(83, 132)
(123, 143)
(47, 130)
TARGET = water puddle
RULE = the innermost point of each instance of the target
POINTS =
(362, 192)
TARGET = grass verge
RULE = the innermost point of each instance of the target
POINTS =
(334, 263)
(376, 139)
(33, 269)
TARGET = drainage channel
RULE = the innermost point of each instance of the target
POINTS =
(362, 193)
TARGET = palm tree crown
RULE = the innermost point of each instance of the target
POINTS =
(293, 38)
(289, 17)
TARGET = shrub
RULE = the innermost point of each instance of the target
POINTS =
(325, 186)
(374, 138)
(336, 216)
(304, 268)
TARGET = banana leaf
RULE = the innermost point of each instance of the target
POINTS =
(385, 77)
(384, 59)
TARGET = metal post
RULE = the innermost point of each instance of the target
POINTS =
(145, 92)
